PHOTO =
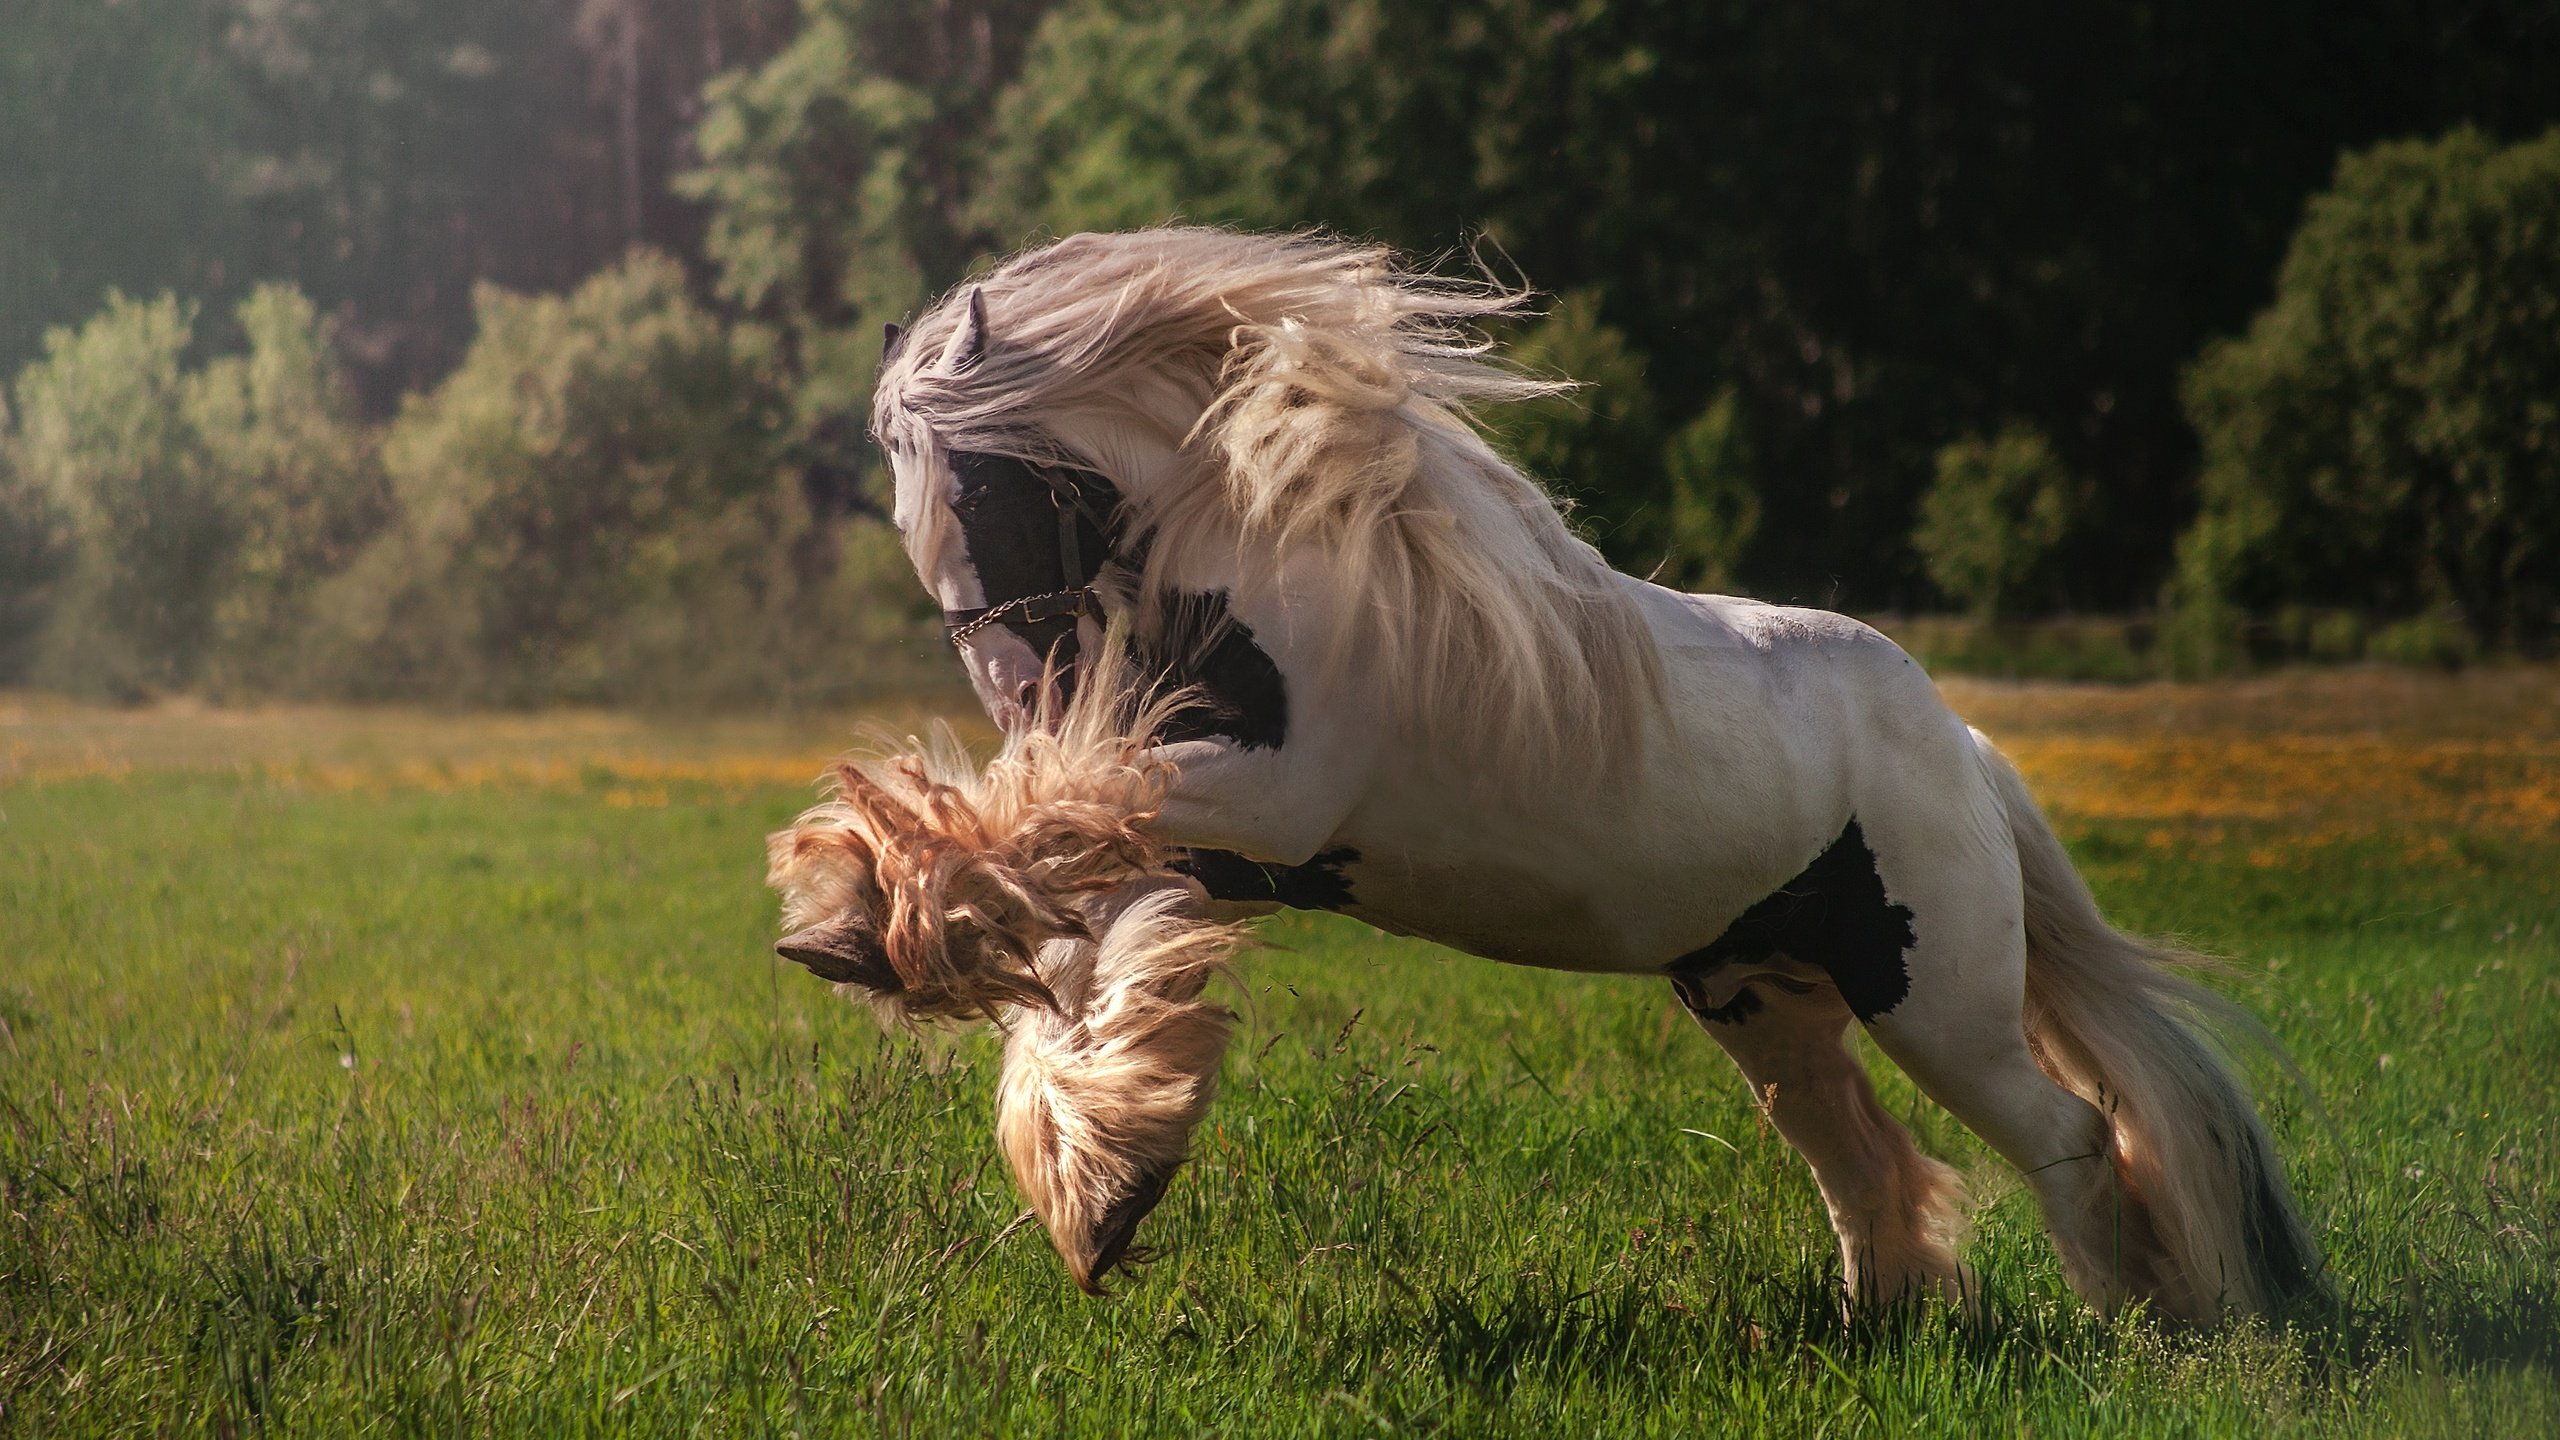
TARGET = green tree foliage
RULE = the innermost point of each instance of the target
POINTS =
(1880, 225)
(381, 154)
(1714, 510)
(840, 174)
(593, 506)
(1994, 518)
(1801, 249)
(393, 153)
(547, 487)
(300, 479)
(1598, 444)
(35, 554)
(200, 505)
(107, 179)
(104, 429)
(2387, 433)
(1263, 112)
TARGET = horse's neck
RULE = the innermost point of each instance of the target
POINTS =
(1142, 458)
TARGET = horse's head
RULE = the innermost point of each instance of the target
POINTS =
(1012, 540)
(1287, 418)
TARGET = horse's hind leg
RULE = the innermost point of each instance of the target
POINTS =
(1959, 1035)
(1898, 1213)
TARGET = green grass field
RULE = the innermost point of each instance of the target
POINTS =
(403, 1075)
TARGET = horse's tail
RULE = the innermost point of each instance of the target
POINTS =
(2113, 1019)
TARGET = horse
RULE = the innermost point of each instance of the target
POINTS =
(1251, 472)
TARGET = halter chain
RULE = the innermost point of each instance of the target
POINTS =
(1032, 608)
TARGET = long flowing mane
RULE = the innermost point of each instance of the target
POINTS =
(1322, 404)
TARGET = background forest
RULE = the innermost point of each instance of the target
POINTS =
(517, 352)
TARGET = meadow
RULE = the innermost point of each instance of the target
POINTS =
(397, 1073)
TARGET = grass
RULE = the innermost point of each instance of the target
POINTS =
(401, 1074)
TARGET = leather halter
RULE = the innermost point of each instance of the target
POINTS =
(1081, 501)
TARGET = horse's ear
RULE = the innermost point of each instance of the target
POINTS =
(893, 340)
(970, 345)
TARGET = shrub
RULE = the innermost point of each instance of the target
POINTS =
(35, 553)
(299, 479)
(1993, 519)
(104, 433)
(179, 518)
(544, 489)
(1585, 443)
(769, 603)
(2386, 435)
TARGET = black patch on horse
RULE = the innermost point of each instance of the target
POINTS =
(1047, 531)
(1033, 530)
(1206, 648)
(1835, 915)
(1319, 884)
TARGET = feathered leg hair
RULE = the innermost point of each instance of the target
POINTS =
(1100, 1094)
(1032, 894)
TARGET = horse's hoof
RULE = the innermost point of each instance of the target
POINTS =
(844, 950)
(1108, 1244)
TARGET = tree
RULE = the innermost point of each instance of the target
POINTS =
(35, 553)
(382, 155)
(1993, 519)
(2386, 435)
(192, 510)
(110, 165)
(1879, 225)
(1715, 501)
(839, 176)
(1273, 113)
(1597, 445)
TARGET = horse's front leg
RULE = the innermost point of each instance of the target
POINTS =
(1099, 1096)
(1281, 804)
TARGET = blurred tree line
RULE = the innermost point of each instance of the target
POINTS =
(384, 156)
(1882, 305)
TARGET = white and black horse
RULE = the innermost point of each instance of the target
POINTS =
(1422, 702)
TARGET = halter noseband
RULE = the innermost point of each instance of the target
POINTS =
(960, 625)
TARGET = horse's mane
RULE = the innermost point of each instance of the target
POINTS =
(1321, 403)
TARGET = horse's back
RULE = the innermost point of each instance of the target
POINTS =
(1834, 714)
(1833, 689)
